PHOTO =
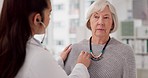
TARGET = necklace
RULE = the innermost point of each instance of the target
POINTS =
(100, 56)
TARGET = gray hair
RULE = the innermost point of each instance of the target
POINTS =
(99, 5)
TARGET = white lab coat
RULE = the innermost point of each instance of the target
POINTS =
(39, 63)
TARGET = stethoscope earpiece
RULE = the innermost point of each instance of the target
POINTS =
(43, 26)
(37, 20)
(41, 23)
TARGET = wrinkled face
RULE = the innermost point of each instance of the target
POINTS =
(101, 22)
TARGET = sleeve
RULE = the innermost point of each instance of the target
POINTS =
(60, 61)
(130, 66)
(75, 70)
(43, 65)
(46, 67)
(79, 71)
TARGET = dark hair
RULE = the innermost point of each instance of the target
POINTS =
(15, 31)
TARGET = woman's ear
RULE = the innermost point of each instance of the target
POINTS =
(88, 24)
(37, 19)
(112, 27)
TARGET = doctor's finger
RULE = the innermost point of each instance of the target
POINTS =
(68, 47)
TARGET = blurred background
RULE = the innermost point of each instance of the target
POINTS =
(67, 26)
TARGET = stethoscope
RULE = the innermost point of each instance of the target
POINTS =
(37, 43)
(100, 56)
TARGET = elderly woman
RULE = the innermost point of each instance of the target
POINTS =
(110, 58)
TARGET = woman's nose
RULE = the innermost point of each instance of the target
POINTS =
(100, 21)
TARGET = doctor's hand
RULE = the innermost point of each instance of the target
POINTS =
(65, 53)
(84, 58)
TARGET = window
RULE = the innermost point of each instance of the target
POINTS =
(59, 7)
(59, 42)
(57, 24)
(74, 6)
(73, 24)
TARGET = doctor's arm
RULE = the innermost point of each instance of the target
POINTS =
(63, 56)
(80, 69)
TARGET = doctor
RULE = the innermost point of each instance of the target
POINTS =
(22, 56)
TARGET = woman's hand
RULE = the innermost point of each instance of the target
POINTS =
(65, 53)
(84, 58)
